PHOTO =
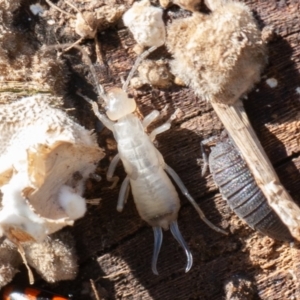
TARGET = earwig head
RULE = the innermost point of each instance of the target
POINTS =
(158, 237)
(118, 104)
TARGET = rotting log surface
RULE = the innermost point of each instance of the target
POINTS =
(119, 245)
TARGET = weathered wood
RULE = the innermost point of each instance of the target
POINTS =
(120, 245)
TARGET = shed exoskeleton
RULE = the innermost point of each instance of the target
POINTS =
(154, 194)
(239, 189)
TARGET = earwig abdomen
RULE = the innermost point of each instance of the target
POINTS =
(242, 194)
(154, 194)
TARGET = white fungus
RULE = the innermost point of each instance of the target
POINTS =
(272, 82)
(298, 90)
(146, 24)
(41, 151)
(72, 203)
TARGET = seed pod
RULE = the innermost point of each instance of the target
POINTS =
(241, 192)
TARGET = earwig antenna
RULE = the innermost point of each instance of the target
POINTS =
(138, 61)
(100, 89)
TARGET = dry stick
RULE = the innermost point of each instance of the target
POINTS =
(98, 50)
(23, 255)
(94, 289)
(57, 8)
(238, 126)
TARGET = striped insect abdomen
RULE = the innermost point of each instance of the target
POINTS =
(242, 193)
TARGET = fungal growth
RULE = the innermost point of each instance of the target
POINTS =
(154, 195)
(41, 151)
(154, 73)
(53, 259)
(84, 18)
(23, 67)
(146, 24)
(242, 193)
(220, 56)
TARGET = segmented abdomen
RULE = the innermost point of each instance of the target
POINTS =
(244, 197)
(154, 195)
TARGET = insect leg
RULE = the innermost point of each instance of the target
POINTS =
(177, 235)
(106, 122)
(150, 118)
(186, 193)
(111, 171)
(205, 159)
(123, 194)
(158, 237)
(164, 127)
(203, 144)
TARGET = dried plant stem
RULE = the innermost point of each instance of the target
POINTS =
(23, 255)
(238, 126)
(94, 289)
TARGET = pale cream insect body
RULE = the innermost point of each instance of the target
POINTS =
(154, 194)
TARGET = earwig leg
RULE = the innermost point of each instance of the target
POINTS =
(136, 64)
(150, 118)
(158, 237)
(106, 122)
(177, 235)
(164, 127)
(111, 171)
(203, 144)
(123, 194)
(205, 160)
(184, 190)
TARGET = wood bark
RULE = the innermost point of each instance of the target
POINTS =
(115, 249)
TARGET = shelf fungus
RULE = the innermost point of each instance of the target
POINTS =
(45, 158)
(54, 259)
(220, 56)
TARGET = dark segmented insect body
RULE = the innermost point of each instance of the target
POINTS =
(243, 195)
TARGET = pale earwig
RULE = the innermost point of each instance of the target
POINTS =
(154, 194)
(238, 187)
